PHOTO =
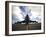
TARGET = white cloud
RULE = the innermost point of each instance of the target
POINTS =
(32, 14)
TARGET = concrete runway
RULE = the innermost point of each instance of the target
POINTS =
(19, 27)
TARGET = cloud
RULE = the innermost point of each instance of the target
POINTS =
(19, 13)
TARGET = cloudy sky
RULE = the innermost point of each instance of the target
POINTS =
(19, 13)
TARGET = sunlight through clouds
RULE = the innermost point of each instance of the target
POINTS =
(19, 13)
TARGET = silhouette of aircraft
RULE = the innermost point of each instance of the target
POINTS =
(26, 21)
